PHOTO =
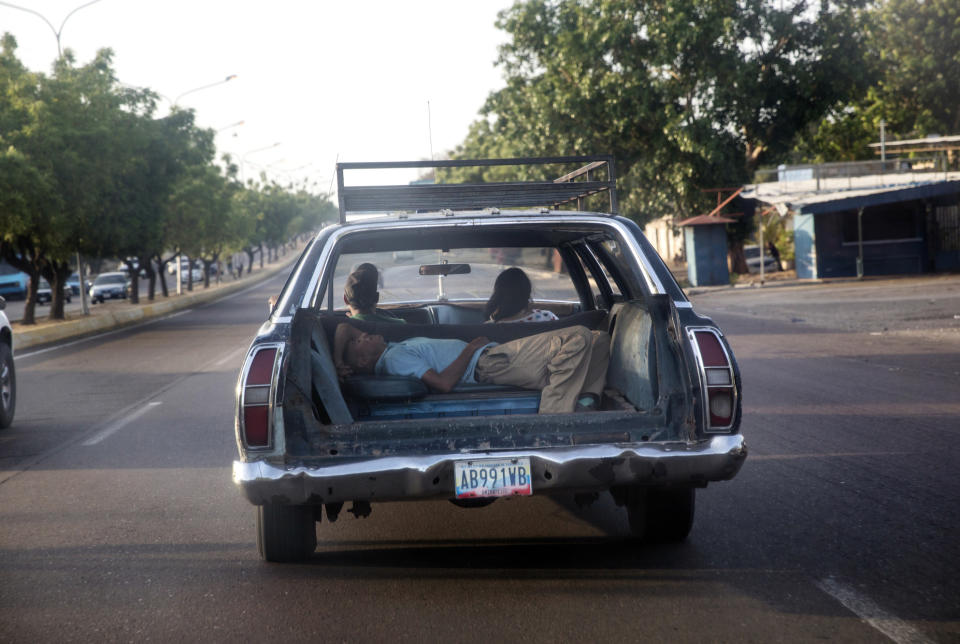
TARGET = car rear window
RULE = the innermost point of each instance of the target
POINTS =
(401, 281)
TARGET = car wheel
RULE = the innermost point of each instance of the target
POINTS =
(286, 532)
(8, 386)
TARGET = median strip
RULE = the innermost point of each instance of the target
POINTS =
(105, 319)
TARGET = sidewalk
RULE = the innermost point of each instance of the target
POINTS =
(120, 313)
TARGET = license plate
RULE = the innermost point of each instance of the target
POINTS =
(493, 477)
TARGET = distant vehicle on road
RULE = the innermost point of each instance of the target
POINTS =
(109, 286)
(74, 283)
(186, 272)
(8, 381)
(13, 282)
(752, 253)
(194, 274)
(184, 265)
(131, 262)
(45, 293)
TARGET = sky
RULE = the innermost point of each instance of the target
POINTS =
(354, 80)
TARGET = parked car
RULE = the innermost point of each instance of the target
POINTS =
(131, 262)
(195, 274)
(752, 254)
(666, 424)
(45, 293)
(8, 379)
(74, 283)
(184, 265)
(109, 286)
(13, 281)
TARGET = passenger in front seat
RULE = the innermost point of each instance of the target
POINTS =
(510, 301)
(361, 296)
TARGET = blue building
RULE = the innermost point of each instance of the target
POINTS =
(705, 239)
(883, 224)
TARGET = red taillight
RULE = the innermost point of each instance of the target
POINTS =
(719, 388)
(262, 368)
(711, 350)
(255, 425)
(256, 399)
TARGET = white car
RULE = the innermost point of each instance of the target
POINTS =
(184, 265)
(8, 380)
(108, 286)
(752, 254)
(45, 292)
(195, 275)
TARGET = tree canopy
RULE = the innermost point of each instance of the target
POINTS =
(85, 166)
(687, 94)
(912, 59)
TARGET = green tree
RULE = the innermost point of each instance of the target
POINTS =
(918, 45)
(687, 94)
(913, 62)
(58, 127)
(206, 198)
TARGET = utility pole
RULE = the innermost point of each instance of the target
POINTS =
(883, 147)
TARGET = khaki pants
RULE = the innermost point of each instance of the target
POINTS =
(562, 363)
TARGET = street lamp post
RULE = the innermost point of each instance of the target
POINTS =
(84, 302)
(56, 32)
(227, 127)
(243, 159)
(197, 89)
(289, 173)
(176, 101)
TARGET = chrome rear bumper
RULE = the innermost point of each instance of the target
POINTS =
(578, 468)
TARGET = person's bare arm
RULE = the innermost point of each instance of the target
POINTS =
(449, 377)
(343, 335)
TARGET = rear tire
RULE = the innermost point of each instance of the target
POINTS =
(286, 532)
(669, 514)
(8, 387)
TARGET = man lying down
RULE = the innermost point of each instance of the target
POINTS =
(568, 365)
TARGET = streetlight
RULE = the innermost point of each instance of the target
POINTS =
(227, 127)
(56, 32)
(173, 103)
(84, 302)
(289, 173)
(197, 89)
(243, 159)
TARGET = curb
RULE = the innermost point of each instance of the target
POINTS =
(28, 338)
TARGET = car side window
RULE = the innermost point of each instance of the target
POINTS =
(615, 268)
(600, 284)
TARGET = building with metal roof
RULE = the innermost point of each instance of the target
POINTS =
(869, 217)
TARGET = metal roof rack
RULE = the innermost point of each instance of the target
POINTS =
(477, 196)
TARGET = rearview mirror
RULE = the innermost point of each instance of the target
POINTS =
(444, 269)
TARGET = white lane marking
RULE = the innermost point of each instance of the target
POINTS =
(230, 356)
(101, 335)
(120, 424)
(867, 610)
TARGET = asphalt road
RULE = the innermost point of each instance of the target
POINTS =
(120, 521)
